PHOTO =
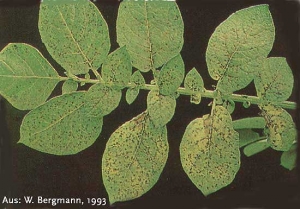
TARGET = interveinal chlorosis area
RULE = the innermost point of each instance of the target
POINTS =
(150, 38)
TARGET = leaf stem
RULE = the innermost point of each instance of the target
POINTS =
(206, 94)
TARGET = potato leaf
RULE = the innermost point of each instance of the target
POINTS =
(281, 128)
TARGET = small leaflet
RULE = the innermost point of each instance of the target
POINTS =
(256, 147)
(171, 76)
(289, 158)
(161, 108)
(249, 123)
(281, 128)
(117, 68)
(134, 158)
(209, 151)
(69, 86)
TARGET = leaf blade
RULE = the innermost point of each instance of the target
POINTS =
(237, 45)
(211, 159)
(117, 68)
(134, 158)
(153, 25)
(61, 125)
(26, 77)
(171, 76)
(161, 108)
(275, 81)
(75, 34)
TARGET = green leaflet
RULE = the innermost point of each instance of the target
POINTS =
(134, 158)
(281, 128)
(194, 82)
(248, 123)
(103, 98)
(26, 77)
(117, 68)
(62, 126)
(256, 147)
(237, 45)
(229, 105)
(131, 95)
(275, 80)
(151, 31)
(171, 76)
(75, 34)
(289, 158)
(69, 86)
(209, 151)
(138, 80)
(161, 108)
(247, 136)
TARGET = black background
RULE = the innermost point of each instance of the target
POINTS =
(261, 182)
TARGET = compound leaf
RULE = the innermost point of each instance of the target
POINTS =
(247, 136)
(256, 147)
(237, 45)
(249, 123)
(289, 158)
(117, 68)
(193, 81)
(61, 125)
(134, 158)
(104, 99)
(69, 86)
(26, 77)
(75, 34)
(171, 76)
(281, 128)
(161, 108)
(275, 80)
(209, 151)
(151, 31)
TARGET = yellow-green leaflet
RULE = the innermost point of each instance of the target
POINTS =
(209, 151)
(75, 34)
(26, 77)
(134, 158)
(237, 45)
(282, 130)
(151, 31)
(274, 82)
